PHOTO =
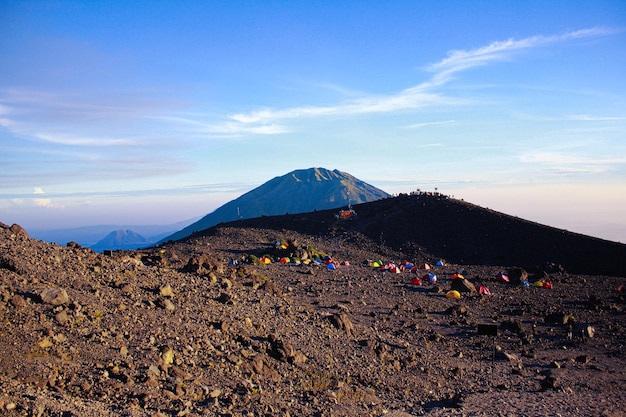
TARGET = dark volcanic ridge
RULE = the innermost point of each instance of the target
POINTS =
(434, 226)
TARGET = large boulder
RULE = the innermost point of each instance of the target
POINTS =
(463, 285)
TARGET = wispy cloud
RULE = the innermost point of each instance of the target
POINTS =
(427, 124)
(590, 118)
(39, 201)
(425, 94)
(459, 60)
(572, 163)
(76, 120)
(37, 195)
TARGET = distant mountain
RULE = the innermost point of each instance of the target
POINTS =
(122, 239)
(88, 236)
(299, 191)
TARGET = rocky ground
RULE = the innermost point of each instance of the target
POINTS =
(203, 327)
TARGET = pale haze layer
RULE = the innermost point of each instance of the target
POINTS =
(154, 112)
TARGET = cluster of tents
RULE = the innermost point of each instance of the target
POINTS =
(404, 266)
(459, 284)
(288, 253)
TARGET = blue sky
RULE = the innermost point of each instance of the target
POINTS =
(153, 112)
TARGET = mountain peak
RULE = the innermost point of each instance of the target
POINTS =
(121, 239)
(299, 191)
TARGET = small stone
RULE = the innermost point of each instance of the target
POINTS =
(343, 322)
(225, 298)
(166, 291)
(61, 317)
(167, 355)
(168, 305)
(550, 382)
(44, 343)
(123, 351)
(154, 371)
(60, 338)
(54, 296)
(583, 359)
(215, 393)
(18, 301)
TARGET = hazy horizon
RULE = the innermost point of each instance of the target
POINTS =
(154, 113)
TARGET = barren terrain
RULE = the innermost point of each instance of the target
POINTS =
(203, 327)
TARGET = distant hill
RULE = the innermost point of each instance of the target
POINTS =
(89, 236)
(299, 191)
(122, 239)
(427, 226)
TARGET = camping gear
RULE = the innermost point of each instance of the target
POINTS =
(430, 278)
(416, 281)
(457, 276)
(484, 290)
(542, 283)
(439, 262)
(453, 294)
(502, 277)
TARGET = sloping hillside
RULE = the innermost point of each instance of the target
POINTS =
(460, 232)
(299, 191)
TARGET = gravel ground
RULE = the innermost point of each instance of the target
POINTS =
(202, 327)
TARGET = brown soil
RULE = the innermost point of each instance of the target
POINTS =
(182, 330)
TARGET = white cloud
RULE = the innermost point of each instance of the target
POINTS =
(77, 140)
(569, 164)
(458, 60)
(426, 124)
(47, 203)
(421, 95)
(38, 190)
(589, 118)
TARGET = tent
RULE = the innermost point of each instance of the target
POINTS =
(430, 278)
(502, 277)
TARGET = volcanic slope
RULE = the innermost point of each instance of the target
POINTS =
(435, 226)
